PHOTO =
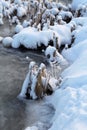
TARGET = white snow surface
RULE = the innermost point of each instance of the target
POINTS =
(77, 3)
(70, 100)
(81, 21)
(71, 109)
(7, 41)
(18, 28)
(80, 35)
(31, 38)
(64, 33)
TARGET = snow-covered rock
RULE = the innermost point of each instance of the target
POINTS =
(30, 38)
(64, 33)
(18, 2)
(7, 41)
(70, 100)
(66, 15)
(26, 23)
(21, 11)
(54, 57)
(18, 28)
(71, 112)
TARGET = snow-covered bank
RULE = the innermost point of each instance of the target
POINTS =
(71, 109)
(77, 3)
(70, 101)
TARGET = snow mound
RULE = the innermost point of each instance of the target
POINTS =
(80, 34)
(54, 57)
(64, 33)
(76, 74)
(76, 3)
(71, 111)
(18, 28)
(32, 39)
(7, 41)
(72, 54)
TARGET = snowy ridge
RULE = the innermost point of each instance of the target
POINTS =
(70, 101)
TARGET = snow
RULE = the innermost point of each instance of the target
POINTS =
(71, 112)
(55, 57)
(30, 77)
(17, 2)
(65, 13)
(80, 21)
(21, 11)
(76, 3)
(80, 35)
(32, 128)
(30, 39)
(26, 23)
(18, 28)
(1, 14)
(54, 83)
(77, 71)
(70, 101)
(72, 52)
(7, 41)
(53, 11)
(64, 33)
(70, 96)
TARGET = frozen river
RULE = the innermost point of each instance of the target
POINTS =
(17, 114)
